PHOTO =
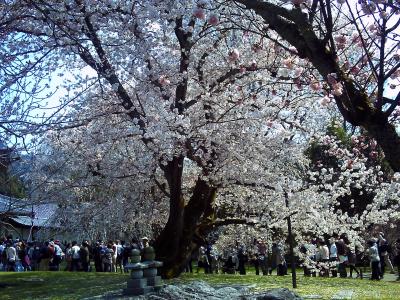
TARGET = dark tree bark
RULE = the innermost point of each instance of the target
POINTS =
(357, 108)
(176, 242)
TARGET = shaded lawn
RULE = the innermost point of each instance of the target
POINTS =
(79, 285)
(325, 287)
(58, 285)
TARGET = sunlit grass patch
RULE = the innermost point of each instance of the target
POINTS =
(324, 287)
(79, 285)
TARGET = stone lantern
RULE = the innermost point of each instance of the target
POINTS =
(143, 276)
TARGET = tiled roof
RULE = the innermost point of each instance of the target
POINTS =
(22, 211)
(13, 205)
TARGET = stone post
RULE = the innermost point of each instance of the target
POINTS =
(143, 277)
(151, 272)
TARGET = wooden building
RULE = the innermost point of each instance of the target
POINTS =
(25, 221)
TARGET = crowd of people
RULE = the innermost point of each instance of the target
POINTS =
(235, 260)
(110, 256)
(334, 256)
(337, 255)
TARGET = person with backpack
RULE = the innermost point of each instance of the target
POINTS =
(76, 257)
(58, 255)
(34, 255)
(45, 257)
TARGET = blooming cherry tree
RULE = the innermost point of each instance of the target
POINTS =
(194, 117)
(354, 47)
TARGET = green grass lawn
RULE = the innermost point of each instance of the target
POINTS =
(79, 285)
(325, 287)
(58, 285)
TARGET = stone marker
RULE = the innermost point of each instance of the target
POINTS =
(151, 272)
(143, 278)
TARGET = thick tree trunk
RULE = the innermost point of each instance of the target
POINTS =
(167, 244)
(388, 139)
(176, 242)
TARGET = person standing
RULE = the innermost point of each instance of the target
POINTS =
(114, 257)
(323, 258)
(397, 257)
(342, 251)
(3, 256)
(333, 256)
(23, 257)
(11, 254)
(45, 257)
(242, 258)
(262, 256)
(253, 259)
(145, 243)
(120, 251)
(202, 261)
(34, 255)
(75, 263)
(68, 257)
(308, 253)
(84, 256)
(57, 257)
(383, 248)
(107, 258)
(274, 253)
(374, 259)
(280, 260)
(210, 258)
(126, 254)
(353, 261)
(98, 264)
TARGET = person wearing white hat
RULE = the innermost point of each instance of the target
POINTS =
(145, 242)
